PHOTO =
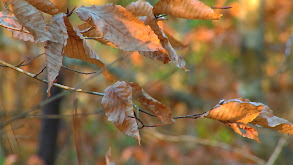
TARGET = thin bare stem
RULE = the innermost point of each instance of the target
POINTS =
(67, 91)
(73, 70)
(188, 138)
(24, 64)
(15, 29)
(45, 81)
(278, 150)
(224, 7)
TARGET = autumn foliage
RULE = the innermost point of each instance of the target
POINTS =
(134, 28)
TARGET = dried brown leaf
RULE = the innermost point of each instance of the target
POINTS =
(117, 103)
(250, 132)
(178, 61)
(162, 111)
(31, 19)
(188, 9)
(173, 41)
(77, 47)
(12, 24)
(235, 110)
(120, 27)
(140, 8)
(45, 6)
(90, 31)
(54, 50)
(267, 119)
(236, 113)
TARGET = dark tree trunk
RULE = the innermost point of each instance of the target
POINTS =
(49, 130)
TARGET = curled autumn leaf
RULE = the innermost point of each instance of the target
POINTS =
(31, 19)
(45, 6)
(90, 31)
(236, 113)
(12, 24)
(188, 9)
(77, 47)
(140, 8)
(172, 54)
(162, 111)
(54, 50)
(117, 103)
(120, 27)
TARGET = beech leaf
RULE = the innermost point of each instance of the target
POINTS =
(10, 22)
(173, 56)
(267, 119)
(140, 8)
(54, 50)
(162, 111)
(90, 31)
(188, 9)
(45, 6)
(117, 103)
(236, 113)
(31, 19)
(120, 27)
(77, 47)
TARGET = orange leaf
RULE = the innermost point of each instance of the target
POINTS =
(120, 27)
(78, 48)
(12, 24)
(32, 19)
(188, 9)
(236, 113)
(250, 132)
(151, 104)
(235, 110)
(45, 6)
(54, 50)
(117, 103)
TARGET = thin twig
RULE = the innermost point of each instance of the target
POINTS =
(224, 7)
(22, 63)
(65, 67)
(278, 150)
(45, 81)
(188, 138)
(67, 91)
(15, 29)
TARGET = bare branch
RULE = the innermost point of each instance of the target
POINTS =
(278, 150)
(187, 138)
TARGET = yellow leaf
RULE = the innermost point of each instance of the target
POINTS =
(188, 9)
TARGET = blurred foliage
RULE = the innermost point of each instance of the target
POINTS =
(213, 59)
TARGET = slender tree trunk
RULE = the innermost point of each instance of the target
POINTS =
(49, 129)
